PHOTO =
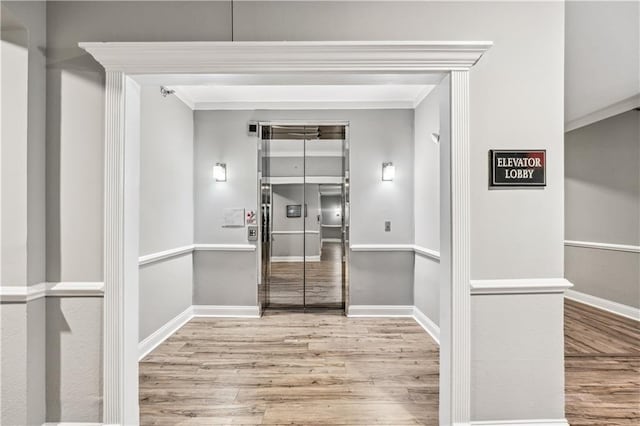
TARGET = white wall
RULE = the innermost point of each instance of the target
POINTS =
(426, 288)
(516, 102)
(166, 207)
(602, 205)
(602, 48)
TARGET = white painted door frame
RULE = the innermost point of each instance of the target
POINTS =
(124, 60)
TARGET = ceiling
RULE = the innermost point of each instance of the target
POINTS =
(301, 96)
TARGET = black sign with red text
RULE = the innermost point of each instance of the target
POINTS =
(517, 168)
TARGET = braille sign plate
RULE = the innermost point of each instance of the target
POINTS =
(517, 168)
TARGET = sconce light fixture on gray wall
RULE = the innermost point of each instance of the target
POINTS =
(220, 172)
(388, 171)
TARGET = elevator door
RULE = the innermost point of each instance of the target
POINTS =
(304, 226)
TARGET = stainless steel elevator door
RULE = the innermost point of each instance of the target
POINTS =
(302, 184)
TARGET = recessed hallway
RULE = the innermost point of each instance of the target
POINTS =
(319, 368)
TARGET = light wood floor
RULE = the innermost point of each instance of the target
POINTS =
(323, 368)
(292, 368)
(602, 367)
(320, 281)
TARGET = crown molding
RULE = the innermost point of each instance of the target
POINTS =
(289, 57)
(609, 111)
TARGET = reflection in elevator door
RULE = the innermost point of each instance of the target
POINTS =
(304, 216)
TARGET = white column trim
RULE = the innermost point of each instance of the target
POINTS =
(520, 286)
(114, 380)
(603, 246)
(460, 349)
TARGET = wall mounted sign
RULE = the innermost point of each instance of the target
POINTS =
(517, 168)
(294, 210)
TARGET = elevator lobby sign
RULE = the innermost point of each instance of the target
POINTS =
(517, 168)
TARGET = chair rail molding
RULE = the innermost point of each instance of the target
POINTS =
(603, 246)
(24, 294)
(124, 60)
(520, 286)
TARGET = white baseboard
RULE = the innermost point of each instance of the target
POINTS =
(604, 304)
(278, 259)
(226, 311)
(380, 311)
(73, 424)
(164, 332)
(426, 323)
(538, 422)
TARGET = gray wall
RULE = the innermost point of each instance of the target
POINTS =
(166, 207)
(74, 355)
(602, 205)
(221, 137)
(427, 203)
(525, 63)
(22, 204)
(329, 205)
(288, 245)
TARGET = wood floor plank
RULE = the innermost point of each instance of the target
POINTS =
(323, 368)
(292, 368)
(602, 367)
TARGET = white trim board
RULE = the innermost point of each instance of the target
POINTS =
(280, 259)
(604, 304)
(614, 109)
(166, 254)
(179, 251)
(425, 322)
(419, 250)
(24, 294)
(74, 424)
(224, 247)
(75, 289)
(163, 333)
(355, 311)
(520, 286)
(220, 311)
(538, 422)
(603, 246)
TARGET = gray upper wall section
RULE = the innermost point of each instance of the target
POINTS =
(166, 172)
(602, 202)
(220, 136)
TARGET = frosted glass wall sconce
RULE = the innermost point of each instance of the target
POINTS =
(388, 171)
(220, 172)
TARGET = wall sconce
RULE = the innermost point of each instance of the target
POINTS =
(435, 137)
(220, 172)
(388, 171)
